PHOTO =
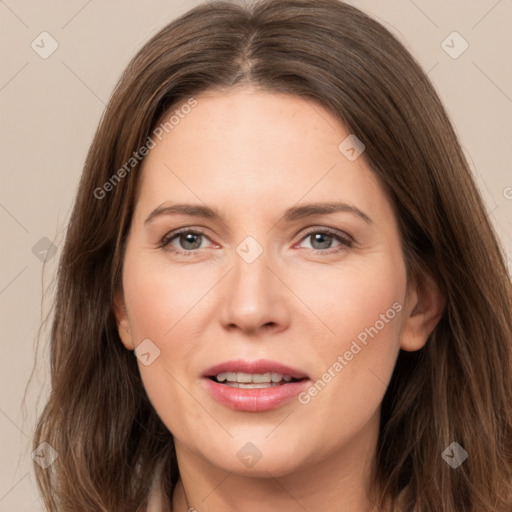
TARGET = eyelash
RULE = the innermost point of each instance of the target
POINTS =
(346, 242)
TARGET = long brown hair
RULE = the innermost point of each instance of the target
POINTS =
(458, 388)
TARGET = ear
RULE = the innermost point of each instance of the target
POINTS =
(122, 321)
(423, 310)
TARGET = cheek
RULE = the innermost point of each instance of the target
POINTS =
(160, 298)
(354, 365)
(164, 305)
(347, 300)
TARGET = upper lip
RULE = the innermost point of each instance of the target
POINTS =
(259, 366)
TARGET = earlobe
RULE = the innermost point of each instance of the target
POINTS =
(424, 307)
(122, 321)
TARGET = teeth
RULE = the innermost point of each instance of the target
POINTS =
(257, 378)
(221, 377)
(252, 385)
(252, 378)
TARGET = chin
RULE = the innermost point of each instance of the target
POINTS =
(257, 459)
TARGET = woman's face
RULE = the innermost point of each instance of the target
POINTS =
(264, 274)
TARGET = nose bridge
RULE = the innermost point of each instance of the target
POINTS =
(253, 295)
(251, 263)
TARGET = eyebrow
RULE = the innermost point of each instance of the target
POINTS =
(293, 213)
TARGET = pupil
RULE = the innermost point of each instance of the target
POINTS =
(189, 239)
(316, 237)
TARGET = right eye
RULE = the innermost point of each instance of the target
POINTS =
(189, 239)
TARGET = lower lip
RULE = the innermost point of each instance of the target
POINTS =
(256, 399)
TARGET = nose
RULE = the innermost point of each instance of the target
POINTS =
(256, 298)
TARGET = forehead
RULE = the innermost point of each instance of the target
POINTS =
(251, 147)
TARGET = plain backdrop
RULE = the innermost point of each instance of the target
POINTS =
(50, 106)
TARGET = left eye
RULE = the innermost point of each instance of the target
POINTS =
(191, 240)
(324, 240)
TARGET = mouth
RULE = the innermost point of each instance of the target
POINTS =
(253, 386)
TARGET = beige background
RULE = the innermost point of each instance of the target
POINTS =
(50, 109)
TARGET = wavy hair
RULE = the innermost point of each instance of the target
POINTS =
(112, 445)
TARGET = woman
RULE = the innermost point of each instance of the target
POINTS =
(279, 287)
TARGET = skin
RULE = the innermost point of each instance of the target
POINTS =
(252, 155)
